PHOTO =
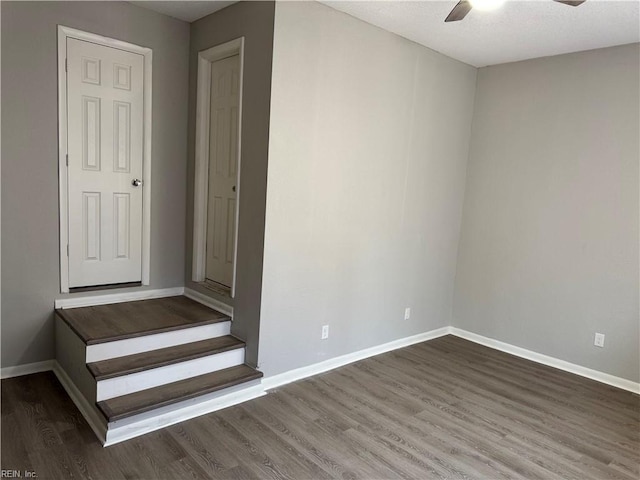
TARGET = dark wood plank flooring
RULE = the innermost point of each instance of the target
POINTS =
(446, 408)
(105, 323)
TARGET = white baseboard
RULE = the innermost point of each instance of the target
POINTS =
(547, 360)
(209, 301)
(108, 298)
(179, 413)
(26, 369)
(88, 411)
(125, 430)
(321, 367)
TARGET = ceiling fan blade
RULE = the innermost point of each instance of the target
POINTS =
(573, 3)
(459, 11)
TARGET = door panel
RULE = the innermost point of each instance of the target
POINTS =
(122, 137)
(91, 226)
(223, 169)
(105, 101)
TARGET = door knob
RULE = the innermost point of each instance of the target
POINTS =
(233, 188)
(136, 182)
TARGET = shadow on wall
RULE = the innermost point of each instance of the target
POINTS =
(43, 336)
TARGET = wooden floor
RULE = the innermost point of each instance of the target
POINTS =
(442, 409)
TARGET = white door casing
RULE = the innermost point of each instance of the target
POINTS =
(201, 178)
(105, 140)
(223, 162)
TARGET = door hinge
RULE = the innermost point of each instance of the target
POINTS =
(67, 249)
(66, 65)
(67, 159)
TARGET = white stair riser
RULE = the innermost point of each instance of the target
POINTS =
(135, 382)
(147, 343)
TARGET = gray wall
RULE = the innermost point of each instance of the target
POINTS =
(254, 21)
(30, 230)
(549, 244)
(367, 159)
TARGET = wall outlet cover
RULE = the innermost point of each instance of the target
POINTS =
(325, 332)
(599, 340)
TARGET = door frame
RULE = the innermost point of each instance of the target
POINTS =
(201, 178)
(63, 34)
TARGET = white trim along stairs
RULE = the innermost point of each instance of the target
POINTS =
(79, 383)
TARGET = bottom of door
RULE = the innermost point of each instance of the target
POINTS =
(111, 286)
(217, 287)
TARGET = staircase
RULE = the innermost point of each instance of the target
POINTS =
(137, 366)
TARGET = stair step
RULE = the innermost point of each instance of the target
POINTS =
(126, 365)
(118, 321)
(135, 403)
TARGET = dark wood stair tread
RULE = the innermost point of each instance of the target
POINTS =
(105, 323)
(139, 362)
(134, 403)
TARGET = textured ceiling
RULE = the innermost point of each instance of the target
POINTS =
(185, 10)
(517, 31)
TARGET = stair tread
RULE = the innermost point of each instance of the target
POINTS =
(139, 402)
(139, 362)
(105, 323)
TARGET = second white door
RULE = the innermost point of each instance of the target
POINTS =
(223, 169)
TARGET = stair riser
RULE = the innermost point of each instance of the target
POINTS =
(135, 382)
(147, 343)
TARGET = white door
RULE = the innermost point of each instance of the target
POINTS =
(223, 169)
(105, 101)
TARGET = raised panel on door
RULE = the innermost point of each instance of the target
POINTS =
(91, 225)
(121, 225)
(105, 102)
(91, 131)
(122, 137)
(223, 169)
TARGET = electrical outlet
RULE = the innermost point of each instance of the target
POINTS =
(407, 313)
(599, 340)
(325, 332)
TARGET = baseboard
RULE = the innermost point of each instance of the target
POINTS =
(179, 414)
(321, 367)
(187, 411)
(26, 369)
(209, 301)
(108, 298)
(547, 360)
(88, 411)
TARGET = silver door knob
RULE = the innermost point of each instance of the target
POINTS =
(136, 182)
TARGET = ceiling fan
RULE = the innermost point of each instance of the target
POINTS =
(464, 6)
